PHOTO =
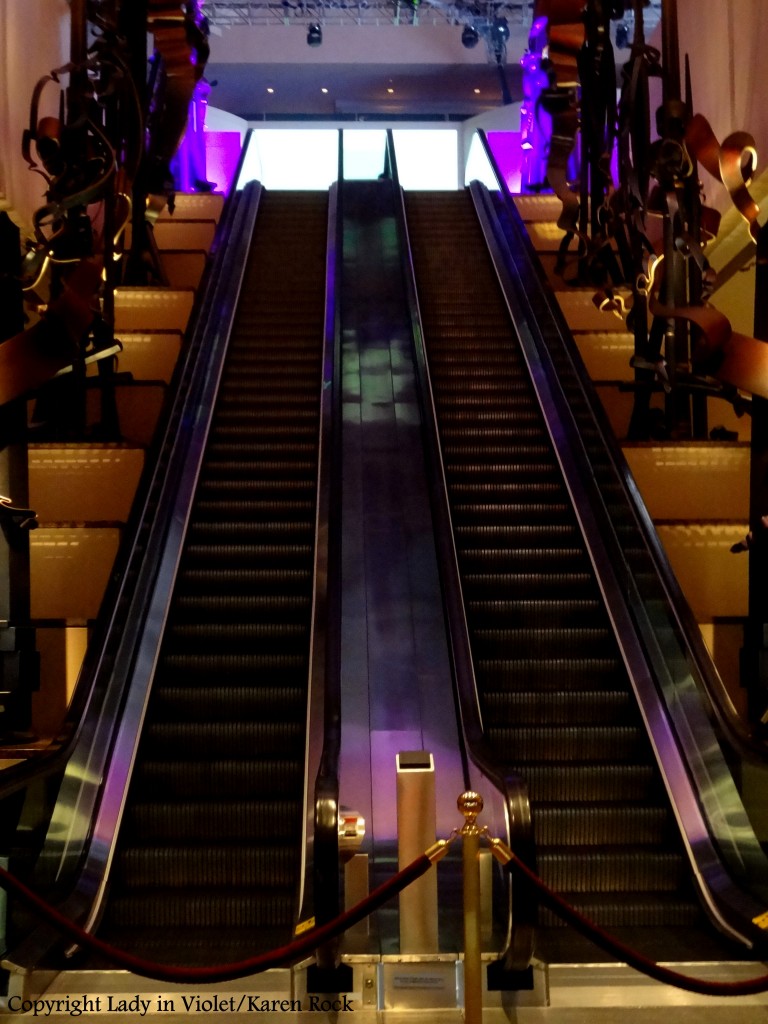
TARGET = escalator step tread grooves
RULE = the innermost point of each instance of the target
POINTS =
(629, 910)
(590, 782)
(223, 703)
(210, 843)
(197, 909)
(585, 707)
(551, 681)
(215, 865)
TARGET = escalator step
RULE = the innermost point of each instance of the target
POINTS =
(249, 532)
(228, 703)
(238, 908)
(523, 560)
(463, 472)
(268, 821)
(238, 581)
(550, 673)
(290, 489)
(247, 665)
(663, 910)
(239, 555)
(194, 947)
(612, 870)
(588, 707)
(505, 643)
(540, 744)
(212, 636)
(210, 867)
(243, 509)
(494, 586)
(489, 515)
(223, 739)
(569, 782)
(495, 454)
(535, 492)
(552, 613)
(238, 608)
(255, 469)
(577, 825)
(223, 450)
(546, 535)
(201, 779)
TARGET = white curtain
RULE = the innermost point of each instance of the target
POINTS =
(34, 40)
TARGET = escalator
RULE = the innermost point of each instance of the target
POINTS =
(210, 862)
(209, 853)
(552, 681)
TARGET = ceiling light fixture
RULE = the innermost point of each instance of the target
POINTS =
(314, 34)
(469, 36)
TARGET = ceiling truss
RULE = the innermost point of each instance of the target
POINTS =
(232, 13)
(223, 14)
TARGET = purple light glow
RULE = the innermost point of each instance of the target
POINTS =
(507, 151)
(222, 152)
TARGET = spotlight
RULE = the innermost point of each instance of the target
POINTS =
(314, 35)
(500, 28)
(469, 36)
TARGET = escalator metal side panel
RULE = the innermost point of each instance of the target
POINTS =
(80, 840)
(732, 908)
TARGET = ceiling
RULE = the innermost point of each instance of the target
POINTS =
(357, 80)
(359, 91)
(269, 80)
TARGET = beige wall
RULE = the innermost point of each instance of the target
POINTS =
(728, 45)
(34, 40)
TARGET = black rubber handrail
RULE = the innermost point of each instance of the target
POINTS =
(521, 926)
(325, 679)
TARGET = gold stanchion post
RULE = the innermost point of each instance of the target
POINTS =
(471, 804)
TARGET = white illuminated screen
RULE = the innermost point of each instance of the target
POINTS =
(307, 158)
(288, 158)
(478, 166)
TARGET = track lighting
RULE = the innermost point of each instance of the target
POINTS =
(469, 36)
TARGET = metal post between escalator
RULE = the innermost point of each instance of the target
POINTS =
(471, 804)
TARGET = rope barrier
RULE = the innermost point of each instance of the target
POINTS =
(226, 972)
(613, 946)
(300, 947)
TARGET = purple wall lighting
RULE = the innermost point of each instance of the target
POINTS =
(508, 153)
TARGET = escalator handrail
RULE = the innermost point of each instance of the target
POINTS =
(714, 827)
(744, 740)
(521, 925)
(320, 892)
(77, 854)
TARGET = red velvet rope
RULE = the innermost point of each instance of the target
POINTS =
(613, 946)
(299, 948)
(221, 972)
